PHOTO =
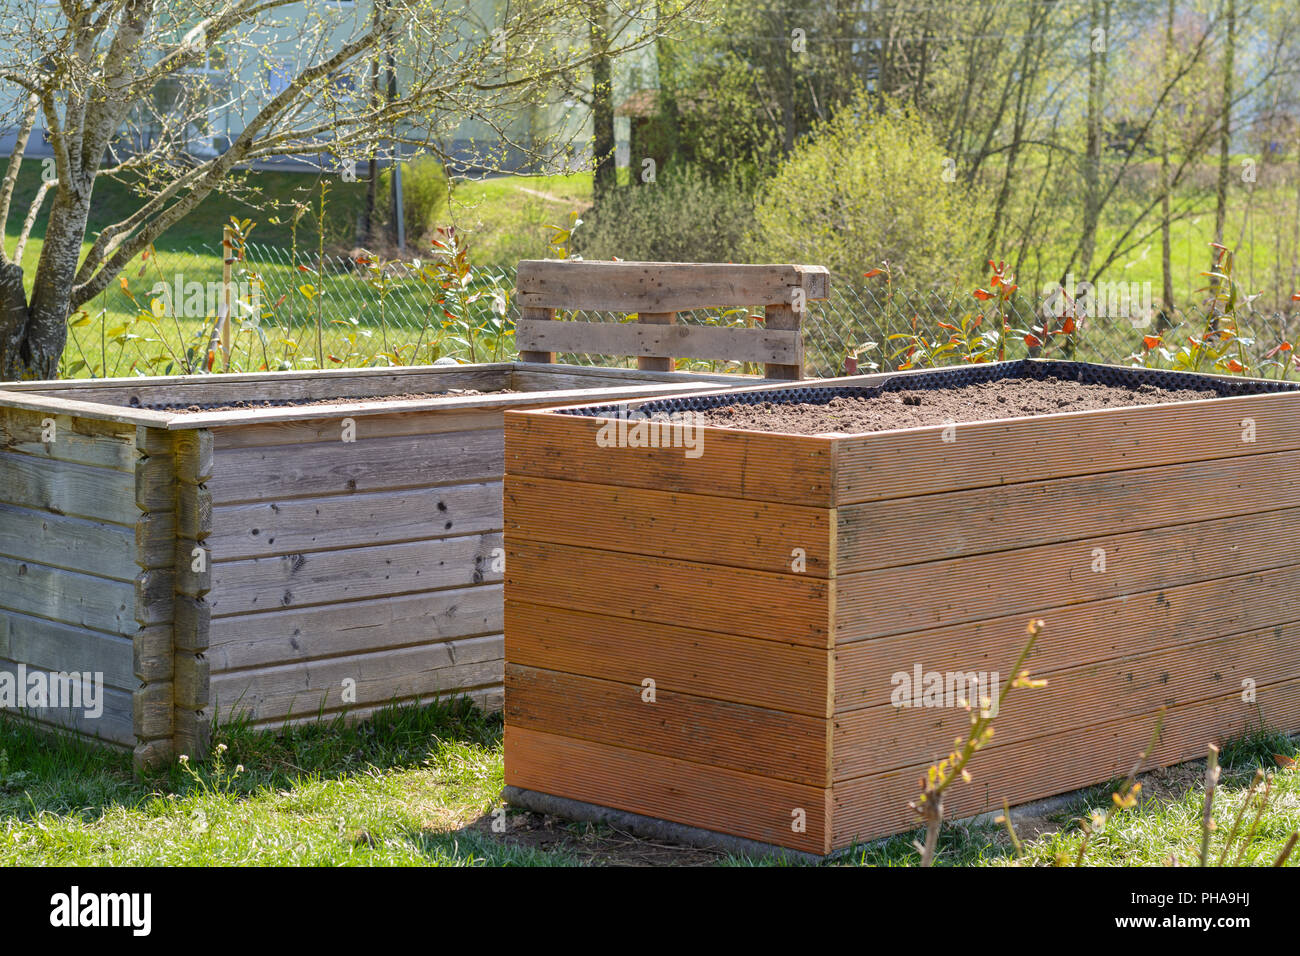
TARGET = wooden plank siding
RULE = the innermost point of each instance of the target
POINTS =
(876, 805)
(375, 560)
(653, 293)
(350, 574)
(326, 686)
(67, 562)
(645, 340)
(257, 558)
(727, 801)
(734, 464)
(710, 577)
(619, 286)
(632, 563)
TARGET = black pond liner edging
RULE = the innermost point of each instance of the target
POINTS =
(1085, 373)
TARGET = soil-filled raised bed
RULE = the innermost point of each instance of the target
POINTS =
(762, 622)
(275, 546)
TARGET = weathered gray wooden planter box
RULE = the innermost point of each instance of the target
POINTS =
(278, 563)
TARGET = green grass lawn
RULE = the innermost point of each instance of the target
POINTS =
(507, 219)
(421, 786)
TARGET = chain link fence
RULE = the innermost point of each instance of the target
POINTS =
(297, 309)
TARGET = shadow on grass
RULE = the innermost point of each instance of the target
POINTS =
(40, 773)
(44, 772)
(515, 837)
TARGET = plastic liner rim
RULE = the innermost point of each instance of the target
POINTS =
(1085, 373)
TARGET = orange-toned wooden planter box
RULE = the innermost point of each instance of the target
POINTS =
(1157, 542)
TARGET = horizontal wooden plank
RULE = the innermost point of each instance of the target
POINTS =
(112, 725)
(278, 386)
(733, 464)
(919, 461)
(538, 376)
(913, 530)
(77, 544)
(81, 406)
(763, 673)
(305, 689)
(684, 341)
(419, 408)
(347, 521)
(307, 634)
(66, 488)
(876, 805)
(335, 378)
(789, 608)
(54, 646)
(878, 738)
(99, 604)
(726, 531)
(662, 286)
(713, 798)
(295, 580)
(80, 440)
(1079, 634)
(489, 699)
(719, 733)
(111, 400)
(1036, 580)
(377, 464)
(312, 430)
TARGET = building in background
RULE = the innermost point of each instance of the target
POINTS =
(227, 96)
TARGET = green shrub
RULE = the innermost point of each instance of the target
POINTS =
(869, 185)
(424, 195)
(681, 217)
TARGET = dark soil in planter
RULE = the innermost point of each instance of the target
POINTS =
(982, 401)
(238, 406)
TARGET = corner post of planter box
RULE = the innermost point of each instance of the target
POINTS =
(155, 548)
(193, 581)
(175, 506)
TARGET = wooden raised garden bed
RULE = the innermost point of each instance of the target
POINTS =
(775, 587)
(332, 545)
